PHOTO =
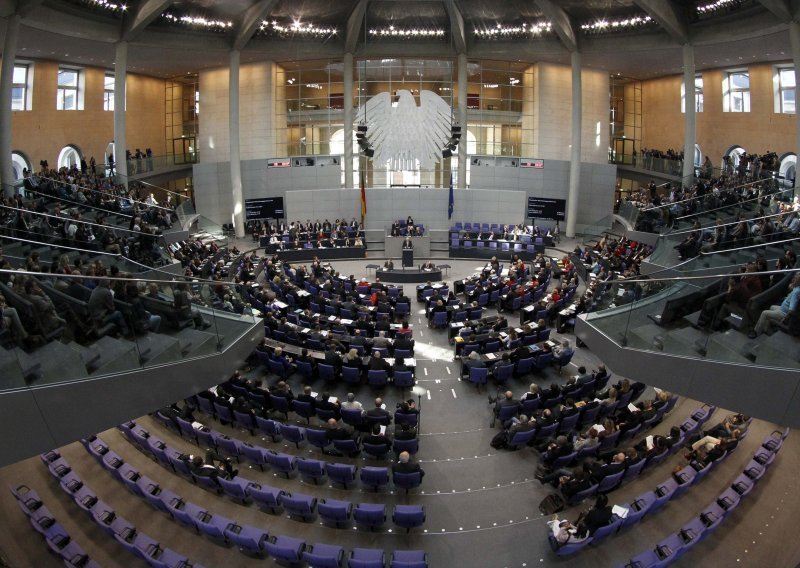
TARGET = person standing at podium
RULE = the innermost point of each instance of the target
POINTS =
(408, 252)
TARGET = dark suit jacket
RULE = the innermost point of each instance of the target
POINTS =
(379, 413)
(407, 467)
(599, 472)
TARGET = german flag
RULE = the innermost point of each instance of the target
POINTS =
(363, 200)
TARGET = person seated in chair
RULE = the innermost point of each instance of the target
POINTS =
(598, 471)
(306, 397)
(378, 363)
(376, 437)
(336, 432)
(325, 404)
(388, 265)
(400, 366)
(379, 412)
(428, 266)
(404, 465)
(588, 521)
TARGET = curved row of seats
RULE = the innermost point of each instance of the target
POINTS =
(253, 540)
(286, 464)
(272, 428)
(651, 501)
(689, 428)
(678, 543)
(125, 533)
(292, 433)
(56, 537)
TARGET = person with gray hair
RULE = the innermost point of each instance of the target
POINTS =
(404, 465)
(352, 404)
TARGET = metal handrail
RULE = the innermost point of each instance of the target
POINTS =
(173, 280)
(684, 278)
(110, 227)
(714, 226)
(114, 195)
(738, 203)
(695, 198)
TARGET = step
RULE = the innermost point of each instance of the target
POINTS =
(684, 341)
(11, 373)
(59, 363)
(116, 356)
(196, 343)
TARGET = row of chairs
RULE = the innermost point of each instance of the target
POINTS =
(248, 539)
(651, 501)
(286, 464)
(689, 429)
(351, 417)
(295, 505)
(55, 535)
(103, 515)
(678, 543)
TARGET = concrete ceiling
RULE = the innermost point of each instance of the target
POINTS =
(82, 32)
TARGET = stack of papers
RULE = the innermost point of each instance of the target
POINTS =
(621, 512)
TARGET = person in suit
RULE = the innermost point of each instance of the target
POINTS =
(332, 358)
(400, 365)
(305, 396)
(388, 265)
(507, 399)
(336, 432)
(375, 437)
(407, 244)
(473, 360)
(404, 465)
(405, 343)
(378, 412)
(323, 403)
(599, 472)
(377, 363)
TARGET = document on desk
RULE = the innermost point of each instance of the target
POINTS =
(491, 356)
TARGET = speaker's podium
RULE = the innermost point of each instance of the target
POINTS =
(408, 257)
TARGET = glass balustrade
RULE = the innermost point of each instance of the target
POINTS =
(79, 327)
(694, 316)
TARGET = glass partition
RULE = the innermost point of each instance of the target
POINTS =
(702, 317)
(72, 327)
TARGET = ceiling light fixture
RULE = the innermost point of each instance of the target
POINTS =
(604, 25)
(295, 28)
(198, 21)
(718, 5)
(393, 32)
(505, 31)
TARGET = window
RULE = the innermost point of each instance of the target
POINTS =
(736, 92)
(68, 89)
(698, 94)
(108, 92)
(69, 157)
(785, 99)
(19, 163)
(19, 90)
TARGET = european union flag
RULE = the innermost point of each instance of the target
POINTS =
(450, 204)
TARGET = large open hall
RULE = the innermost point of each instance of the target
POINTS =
(399, 283)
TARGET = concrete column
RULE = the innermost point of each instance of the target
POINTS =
(689, 119)
(120, 79)
(575, 154)
(794, 36)
(462, 119)
(237, 217)
(348, 120)
(6, 84)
